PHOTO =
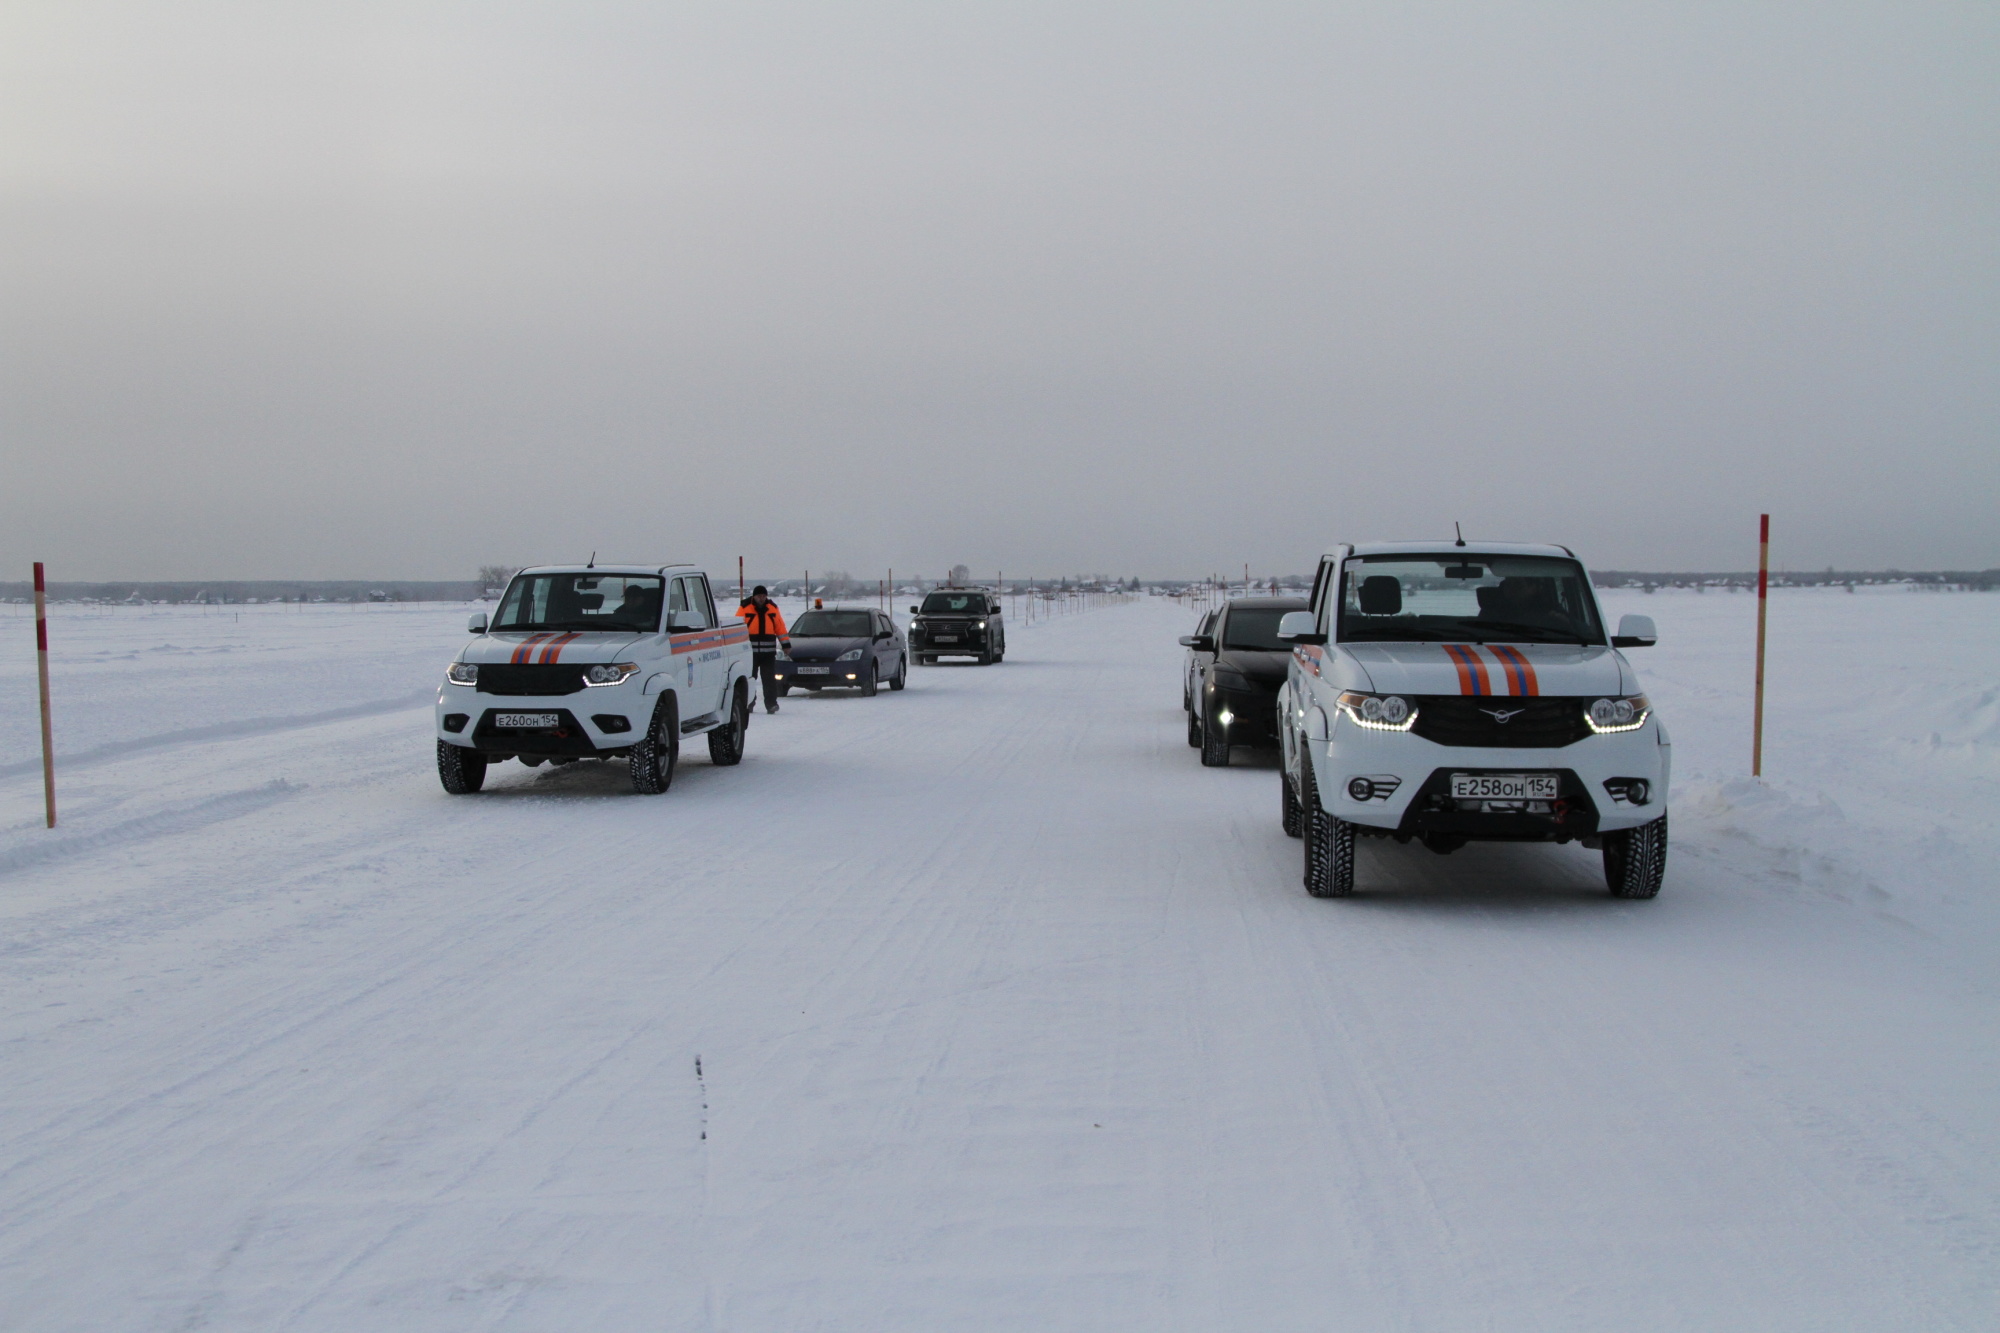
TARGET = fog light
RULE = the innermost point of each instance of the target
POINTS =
(1629, 791)
(1225, 717)
(1361, 789)
(611, 723)
(454, 722)
(850, 675)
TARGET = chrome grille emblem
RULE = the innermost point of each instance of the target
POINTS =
(1503, 715)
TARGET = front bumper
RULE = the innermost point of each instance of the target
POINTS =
(1248, 715)
(593, 724)
(1594, 774)
(837, 675)
(966, 640)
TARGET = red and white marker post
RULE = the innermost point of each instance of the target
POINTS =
(42, 672)
(1763, 597)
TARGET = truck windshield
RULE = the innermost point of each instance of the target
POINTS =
(955, 604)
(1466, 598)
(619, 602)
(833, 625)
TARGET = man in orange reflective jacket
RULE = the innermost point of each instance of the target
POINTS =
(767, 631)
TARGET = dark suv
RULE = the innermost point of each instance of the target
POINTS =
(958, 622)
(1235, 699)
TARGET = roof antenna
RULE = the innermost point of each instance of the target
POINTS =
(593, 559)
(1460, 531)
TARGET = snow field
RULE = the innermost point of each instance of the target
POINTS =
(1008, 1014)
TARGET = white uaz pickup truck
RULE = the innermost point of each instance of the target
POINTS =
(1453, 692)
(595, 662)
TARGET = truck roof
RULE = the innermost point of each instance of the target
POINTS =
(1450, 546)
(610, 569)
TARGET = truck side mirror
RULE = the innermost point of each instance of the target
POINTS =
(476, 625)
(1635, 632)
(913, 610)
(1300, 627)
(681, 621)
(1201, 643)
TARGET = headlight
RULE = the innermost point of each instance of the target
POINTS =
(1378, 712)
(851, 655)
(1626, 714)
(980, 625)
(462, 673)
(609, 673)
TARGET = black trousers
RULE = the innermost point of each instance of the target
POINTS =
(764, 661)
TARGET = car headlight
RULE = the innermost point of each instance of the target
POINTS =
(1628, 713)
(1378, 712)
(851, 655)
(462, 673)
(980, 625)
(609, 673)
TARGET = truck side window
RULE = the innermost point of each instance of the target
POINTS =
(688, 595)
(707, 600)
(1319, 594)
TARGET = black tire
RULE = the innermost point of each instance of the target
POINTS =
(1294, 815)
(725, 743)
(1329, 845)
(1194, 729)
(868, 682)
(985, 659)
(902, 676)
(654, 756)
(1214, 743)
(1635, 860)
(462, 771)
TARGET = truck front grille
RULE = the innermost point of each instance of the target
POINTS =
(507, 678)
(1532, 724)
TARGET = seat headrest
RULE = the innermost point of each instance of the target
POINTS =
(1381, 595)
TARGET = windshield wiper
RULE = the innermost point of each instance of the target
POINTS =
(1541, 632)
(1401, 634)
(574, 624)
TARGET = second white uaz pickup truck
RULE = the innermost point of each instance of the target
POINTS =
(1448, 692)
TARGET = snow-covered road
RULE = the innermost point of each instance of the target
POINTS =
(982, 1006)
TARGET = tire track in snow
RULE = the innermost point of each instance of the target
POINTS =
(220, 731)
(186, 818)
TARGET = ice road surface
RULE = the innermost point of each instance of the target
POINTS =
(983, 1006)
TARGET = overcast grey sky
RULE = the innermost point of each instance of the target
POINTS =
(392, 290)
